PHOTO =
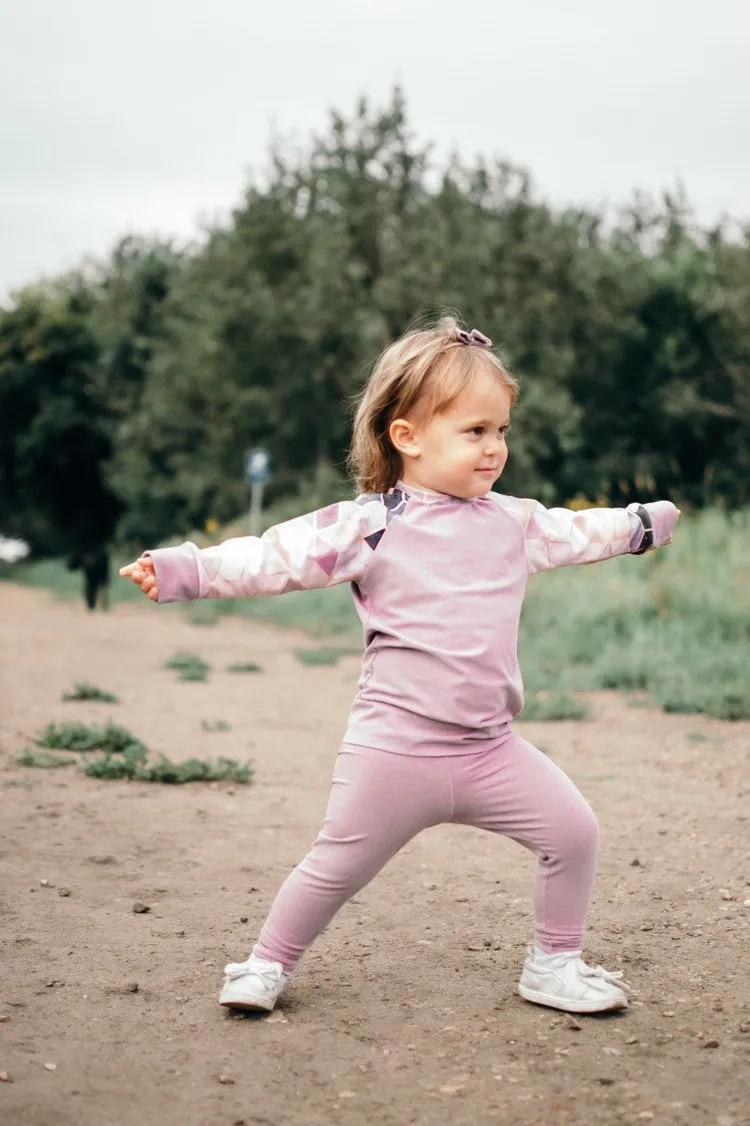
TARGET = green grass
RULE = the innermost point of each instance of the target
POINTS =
(215, 725)
(675, 624)
(245, 666)
(85, 691)
(541, 706)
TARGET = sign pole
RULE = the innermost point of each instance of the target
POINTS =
(256, 505)
(257, 470)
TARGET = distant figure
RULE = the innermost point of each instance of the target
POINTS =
(94, 563)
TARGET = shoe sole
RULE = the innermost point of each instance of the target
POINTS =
(248, 1006)
(551, 1002)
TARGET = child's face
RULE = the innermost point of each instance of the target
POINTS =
(462, 450)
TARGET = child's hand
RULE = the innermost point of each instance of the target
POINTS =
(143, 575)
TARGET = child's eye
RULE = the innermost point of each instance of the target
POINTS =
(477, 430)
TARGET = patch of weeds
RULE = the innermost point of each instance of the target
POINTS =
(189, 665)
(699, 737)
(543, 707)
(85, 691)
(134, 764)
(112, 739)
(245, 666)
(127, 757)
(215, 725)
(43, 761)
(324, 655)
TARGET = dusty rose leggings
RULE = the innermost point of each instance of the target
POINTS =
(380, 800)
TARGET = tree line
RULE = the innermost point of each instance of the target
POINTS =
(131, 389)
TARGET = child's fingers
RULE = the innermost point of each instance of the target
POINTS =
(148, 583)
(135, 571)
(152, 594)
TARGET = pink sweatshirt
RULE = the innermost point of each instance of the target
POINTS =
(438, 583)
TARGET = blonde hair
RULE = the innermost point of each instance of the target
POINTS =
(419, 375)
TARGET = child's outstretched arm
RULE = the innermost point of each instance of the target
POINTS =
(558, 537)
(329, 546)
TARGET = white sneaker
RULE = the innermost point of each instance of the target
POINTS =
(254, 984)
(564, 981)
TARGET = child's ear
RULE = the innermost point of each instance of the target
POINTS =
(403, 435)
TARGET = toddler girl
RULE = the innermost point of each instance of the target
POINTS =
(438, 565)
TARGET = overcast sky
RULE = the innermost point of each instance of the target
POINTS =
(142, 116)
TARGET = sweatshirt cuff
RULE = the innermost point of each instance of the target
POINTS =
(177, 574)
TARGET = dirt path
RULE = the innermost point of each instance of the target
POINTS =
(405, 1011)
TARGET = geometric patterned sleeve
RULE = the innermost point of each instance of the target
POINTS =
(329, 546)
(558, 537)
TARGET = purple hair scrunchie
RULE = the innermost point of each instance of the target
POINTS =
(474, 337)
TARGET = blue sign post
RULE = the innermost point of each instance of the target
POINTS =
(257, 471)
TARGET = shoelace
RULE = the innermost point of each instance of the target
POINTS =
(270, 975)
(614, 977)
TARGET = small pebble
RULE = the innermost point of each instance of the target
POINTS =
(50, 1067)
(710, 1044)
(46, 883)
(4, 1077)
(140, 908)
(635, 863)
(606, 1081)
(647, 927)
(64, 892)
(667, 1013)
(632, 1040)
(574, 1025)
(744, 1025)
(226, 1079)
(4, 1017)
(131, 987)
(244, 919)
(646, 1115)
